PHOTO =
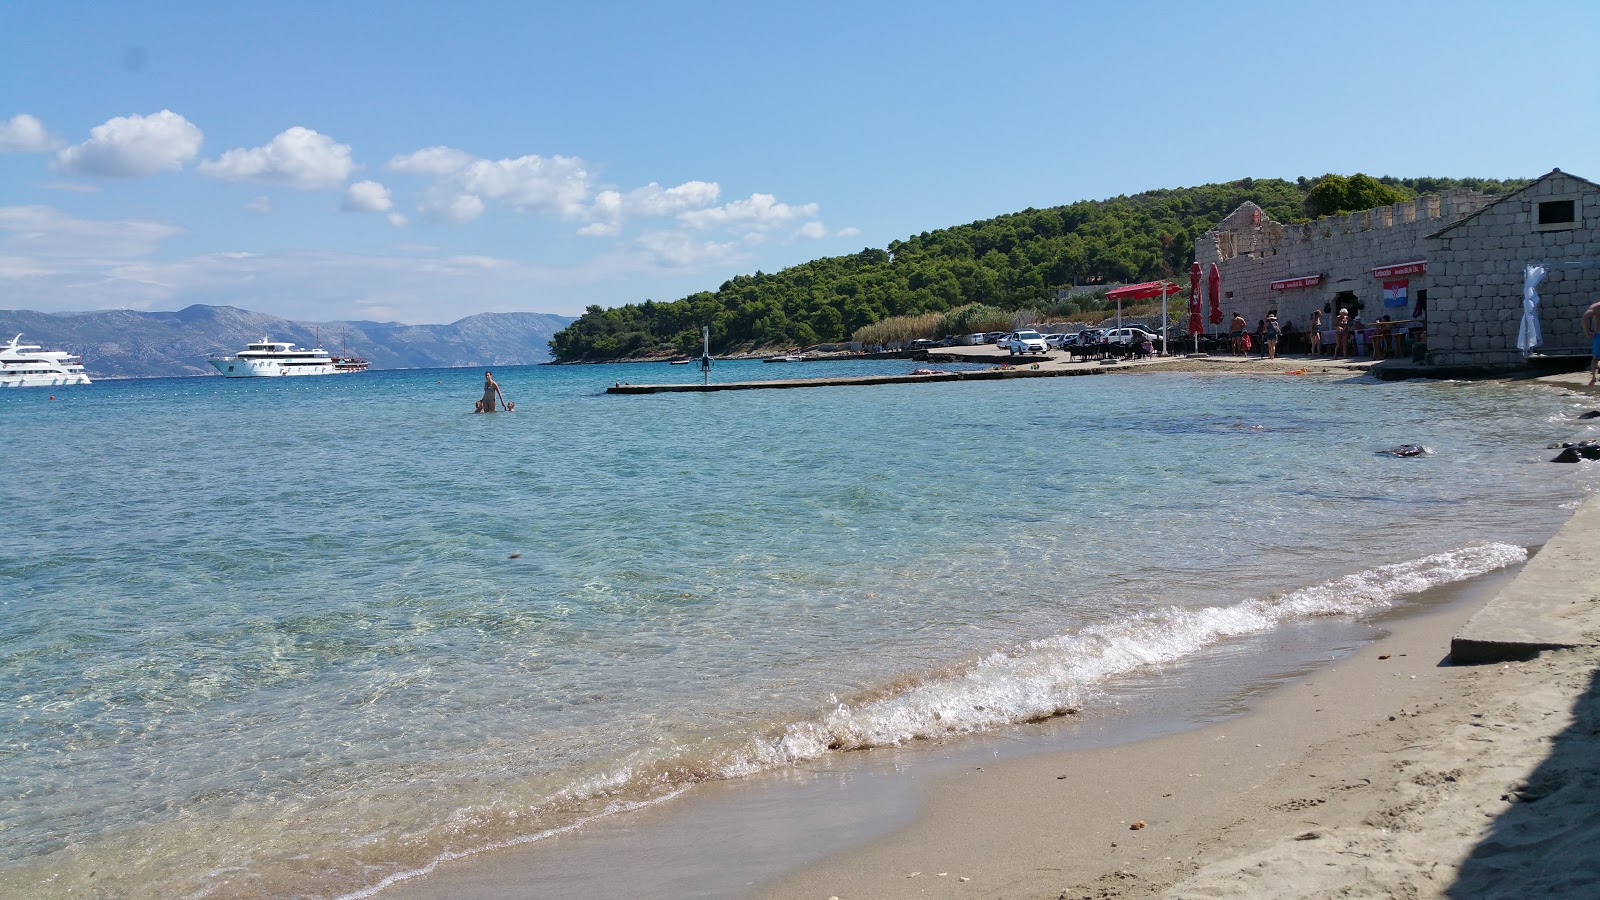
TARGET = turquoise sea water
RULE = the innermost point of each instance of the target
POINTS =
(302, 636)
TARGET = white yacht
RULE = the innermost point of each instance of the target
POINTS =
(269, 358)
(29, 365)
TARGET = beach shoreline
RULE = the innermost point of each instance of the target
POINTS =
(1366, 774)
(1389, 773)
(1313, 754)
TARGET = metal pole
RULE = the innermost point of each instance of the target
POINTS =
(1163, 318)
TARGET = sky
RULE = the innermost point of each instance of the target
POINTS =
(423, 162)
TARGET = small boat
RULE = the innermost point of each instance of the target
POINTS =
(680, 362)
(787, 357)
(29, 365)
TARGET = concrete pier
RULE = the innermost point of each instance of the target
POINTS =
(1548, 606)
(984, 375)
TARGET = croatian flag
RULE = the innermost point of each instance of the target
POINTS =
(1394, 294)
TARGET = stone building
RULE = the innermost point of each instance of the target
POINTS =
(1479, 263)
(1453, 262)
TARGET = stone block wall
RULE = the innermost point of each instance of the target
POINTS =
(1477, 266)
(1344, 249)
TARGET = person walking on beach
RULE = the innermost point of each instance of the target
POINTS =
(1316, 332)
(1341, 333)
(491, 393)
(1271, 335)
(1236, 334)
(1591, 329)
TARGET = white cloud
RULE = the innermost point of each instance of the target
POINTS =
(25, 134)
(528, 184)
(758, 213)
(367, 196)
(261, 205)
(134, 147)
(72, 187)
(298, 157)
(43, 231)
(675, 249)
(398, 220)
(847, 231)
(611, 208)
(435, 161)
(439, 204)
(813, 230)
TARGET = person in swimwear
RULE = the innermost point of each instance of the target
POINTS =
(1591, 329)
(1341, 333)
(1236, 334)
(491, 393)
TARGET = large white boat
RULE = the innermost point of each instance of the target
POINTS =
(269, 358)
(29, 365)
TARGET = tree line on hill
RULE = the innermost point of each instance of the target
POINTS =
(972, 277)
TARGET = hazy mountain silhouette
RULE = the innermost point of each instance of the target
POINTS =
(125, 343)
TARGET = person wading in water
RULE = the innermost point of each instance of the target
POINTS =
(491, 393)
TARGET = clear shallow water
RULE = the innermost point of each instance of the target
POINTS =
(267, 637)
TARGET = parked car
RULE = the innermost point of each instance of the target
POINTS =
(1060, 341)
(976, 338)
(1091, 336)
(994, 337)
(1129, 335)
(921, 344)
(1027, 341)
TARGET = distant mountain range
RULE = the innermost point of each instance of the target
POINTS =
(120, 343)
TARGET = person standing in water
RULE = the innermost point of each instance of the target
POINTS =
(1591, 330)
(491, 393)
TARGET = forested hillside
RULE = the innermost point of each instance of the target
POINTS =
(1009, 262)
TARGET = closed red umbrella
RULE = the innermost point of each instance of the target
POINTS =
(1214, 291)
(1195, 325)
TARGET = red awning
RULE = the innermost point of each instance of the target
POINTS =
(1291, 283)
(1415, 267)
(1142, 291)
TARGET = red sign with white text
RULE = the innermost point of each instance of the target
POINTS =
(1416, 267)
(1291, 283)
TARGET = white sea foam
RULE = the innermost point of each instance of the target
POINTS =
(1046, 677)
(1025, 683)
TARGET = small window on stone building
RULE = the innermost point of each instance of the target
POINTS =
(1555, 215)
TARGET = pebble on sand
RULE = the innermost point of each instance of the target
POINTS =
(1136, 826)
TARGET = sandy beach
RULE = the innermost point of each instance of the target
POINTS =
(1390, 772)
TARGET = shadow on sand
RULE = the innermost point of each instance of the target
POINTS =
(1548, 842)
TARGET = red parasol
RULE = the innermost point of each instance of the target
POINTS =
(1195, 325)
(1214, 291)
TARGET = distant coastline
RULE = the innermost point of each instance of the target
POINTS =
(124, 343)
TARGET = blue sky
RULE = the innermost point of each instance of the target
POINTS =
(424, 162)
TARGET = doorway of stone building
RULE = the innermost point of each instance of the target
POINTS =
(1345, 300)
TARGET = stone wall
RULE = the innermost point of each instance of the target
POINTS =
(1252, 251)
(1476, 266)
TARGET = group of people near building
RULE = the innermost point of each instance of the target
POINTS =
(1350, 336)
